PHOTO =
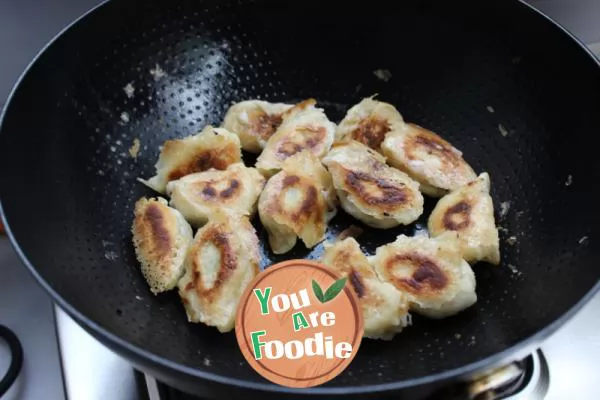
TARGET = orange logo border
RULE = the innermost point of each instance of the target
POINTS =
(243, 336)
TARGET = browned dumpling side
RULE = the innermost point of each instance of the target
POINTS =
(427, 158)
(235, 189)
(431, 272)
(469, 211)
(161, 237)
(221, 261)
(215, 148)
(254, 121)
(297, 202)
(304, 127)
(371, 191)
(368, 122)
(385, 308)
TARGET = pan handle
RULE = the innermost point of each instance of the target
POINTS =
(16, 361)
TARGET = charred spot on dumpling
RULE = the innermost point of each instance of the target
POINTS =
(213, 148)
(197, 196)
(160, 237)
(156, 221)
(428, 158)
(432, 145)
(264, 124)
(301, 213)
(212, 193)
(303, 127)
(371, 191)
(430, 271)
(371, 131)
(254, 122)
(209, 192)
(378, 192)
(385, 308)
(217, 159)
(223, 258)
(357, 283)
(295, 202)
(458, 216)
(310, 139)
(230, 191)
(368, 122)
(426, 275)
(208, 286)
(469, 212)
(290, 180)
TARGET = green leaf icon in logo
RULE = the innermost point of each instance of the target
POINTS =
(317, 291)
(331, 292)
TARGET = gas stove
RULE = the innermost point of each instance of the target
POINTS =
(564, 367)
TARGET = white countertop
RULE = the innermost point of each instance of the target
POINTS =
(27, 310)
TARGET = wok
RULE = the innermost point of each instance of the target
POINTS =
(467, 70)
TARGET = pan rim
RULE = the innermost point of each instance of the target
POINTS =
(136, 352)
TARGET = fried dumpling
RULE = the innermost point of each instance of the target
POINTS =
(427, 158)
(298, 201)
(385, 309)
(304, 127)
(254, 121)
(432, 273)
(371, 191)
(221, 261)
(469, 211)
(368, 122)
(212, 148)
(234, 189)
(161, 237)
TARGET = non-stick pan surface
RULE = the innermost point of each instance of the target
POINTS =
(460, 68)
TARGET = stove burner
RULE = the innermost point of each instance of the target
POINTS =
(525, 379)
(16, 361)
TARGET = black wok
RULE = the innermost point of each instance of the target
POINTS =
(68, 183)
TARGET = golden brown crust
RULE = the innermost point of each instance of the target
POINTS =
(425, 279)
(304, 128)
(457, 217)
(296, 203)
(299, 107)
(265, 125)
(376, 192)
(308, 211)
(429, 142)
(154, 226)
(371, 191)
(254, 121)
(310, 137)
(215, 236)
(213, 148)
(223, 258)
(469, 212)
(198, 195)
(371, 131)
(431, 272)
(160, 237)
(427, 158)
(218, 158)
(368, 122)
(155, 223)
(385, 309)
